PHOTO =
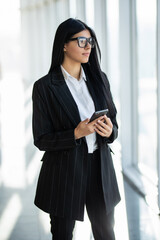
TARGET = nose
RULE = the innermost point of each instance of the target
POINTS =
(88, 45)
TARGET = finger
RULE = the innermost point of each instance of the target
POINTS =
(108, 121)
(100, 132)
(105, 130)
(86, 120)
(95, 121)
(103, 124)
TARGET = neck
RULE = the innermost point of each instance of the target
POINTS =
(73, 69)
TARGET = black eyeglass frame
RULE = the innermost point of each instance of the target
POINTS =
(88, 40)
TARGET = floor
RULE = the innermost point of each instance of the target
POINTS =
(19, 169)
(143, 223)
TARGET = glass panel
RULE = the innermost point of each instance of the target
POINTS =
(147, 87)
(72, 5)
(89, 7)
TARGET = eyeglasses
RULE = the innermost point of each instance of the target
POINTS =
(82, 41)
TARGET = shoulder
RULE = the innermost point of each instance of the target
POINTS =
(45, 80)
(41, 85)
(50, 78)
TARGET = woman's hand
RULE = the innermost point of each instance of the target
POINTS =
(104, 127)
(85, 128)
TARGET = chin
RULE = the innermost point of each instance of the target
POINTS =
(85, 61)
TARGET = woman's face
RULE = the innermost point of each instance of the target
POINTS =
(74, 53)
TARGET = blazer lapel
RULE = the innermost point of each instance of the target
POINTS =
(64, 96)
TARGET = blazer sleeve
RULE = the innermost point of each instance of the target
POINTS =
(45, 137)
(114, 134)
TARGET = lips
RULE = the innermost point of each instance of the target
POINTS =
(86, 54)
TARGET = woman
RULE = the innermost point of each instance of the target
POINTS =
(77, 168)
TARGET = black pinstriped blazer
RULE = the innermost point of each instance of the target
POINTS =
(62, 179)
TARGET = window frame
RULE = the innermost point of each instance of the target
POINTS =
(129, 111)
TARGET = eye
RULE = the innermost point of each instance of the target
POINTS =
(82, 40)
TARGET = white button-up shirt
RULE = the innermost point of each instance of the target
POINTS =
(83, 99)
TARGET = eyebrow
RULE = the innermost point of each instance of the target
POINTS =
(82, 37)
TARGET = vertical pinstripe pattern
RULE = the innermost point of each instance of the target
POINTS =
(81, 188)
(58, 183)
(102, 224)
(62, 181)
(73, 186)
(66, 183)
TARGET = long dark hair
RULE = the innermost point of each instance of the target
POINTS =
(100, 83)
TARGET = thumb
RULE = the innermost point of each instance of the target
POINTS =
(86, 120)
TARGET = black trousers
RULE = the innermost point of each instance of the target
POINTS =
(101, 223)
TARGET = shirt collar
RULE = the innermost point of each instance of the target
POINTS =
(68, 76)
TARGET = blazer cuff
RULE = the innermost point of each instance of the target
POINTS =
(113, 136)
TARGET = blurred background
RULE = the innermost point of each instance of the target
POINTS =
(129, 36)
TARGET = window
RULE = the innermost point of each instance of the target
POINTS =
(147, 87)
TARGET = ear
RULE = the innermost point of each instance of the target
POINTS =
(64, 48)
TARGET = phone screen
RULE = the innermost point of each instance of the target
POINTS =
(98, 114)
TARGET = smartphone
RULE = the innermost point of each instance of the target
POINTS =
(98, 114)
